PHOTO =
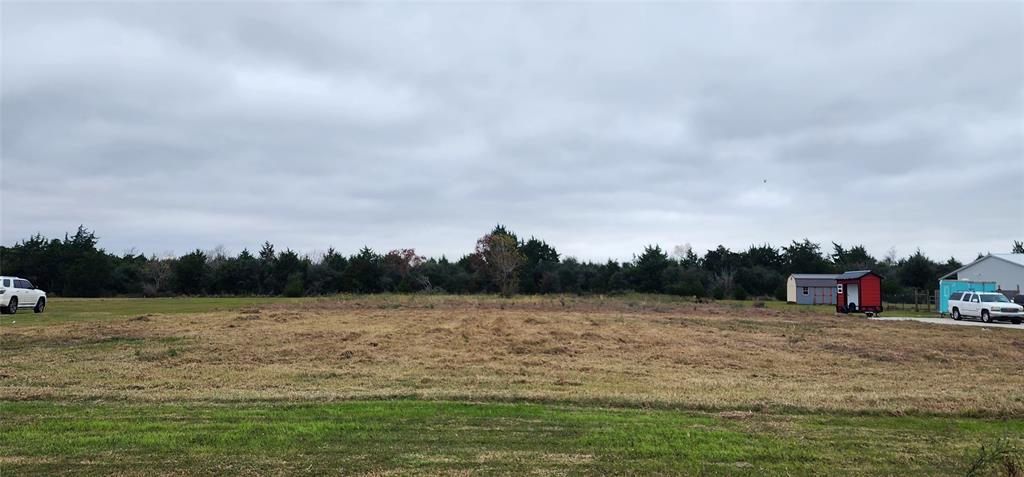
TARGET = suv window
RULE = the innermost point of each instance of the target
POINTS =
(967, 296)
(956, 296)
(21, 284)
(7, 282)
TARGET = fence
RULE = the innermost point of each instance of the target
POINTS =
(917, 300)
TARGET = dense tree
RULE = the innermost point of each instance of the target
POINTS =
(805, 257)
(764, 256)
(190, 273)
(539, 268)
(400, 271)
(363, 272)
(327, 276)
(918, 272)
(75, 266)
(649, 268)
(287, 266)
(854, 258)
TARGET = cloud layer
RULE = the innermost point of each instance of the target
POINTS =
(599, 127)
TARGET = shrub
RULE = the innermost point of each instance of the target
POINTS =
(293, 287)
(1000, 457)
(718, 292)
(740, 293)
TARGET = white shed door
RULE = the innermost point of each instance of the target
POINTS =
(853, 294)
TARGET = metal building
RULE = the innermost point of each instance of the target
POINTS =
(1005, 269)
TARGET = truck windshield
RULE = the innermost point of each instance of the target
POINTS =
(994, 298)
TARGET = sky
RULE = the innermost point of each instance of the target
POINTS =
(598, 127)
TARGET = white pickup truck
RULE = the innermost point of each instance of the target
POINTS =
(987, 306)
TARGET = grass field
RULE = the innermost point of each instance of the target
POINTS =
(481, 385)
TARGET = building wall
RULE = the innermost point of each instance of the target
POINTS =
(1008, 276)
(820, 290)
(816, 295)
(870, 291)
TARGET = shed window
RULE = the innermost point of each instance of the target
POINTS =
(805, 290)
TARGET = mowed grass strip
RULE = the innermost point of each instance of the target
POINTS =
(430, 438)
(70, 310)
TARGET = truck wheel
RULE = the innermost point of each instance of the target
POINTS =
(40, 305)
(956, 314)
(12, 306)
(1016, 321)
(987, 318)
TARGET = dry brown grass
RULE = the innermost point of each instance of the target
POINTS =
(585, 350)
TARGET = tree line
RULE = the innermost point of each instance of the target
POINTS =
(501, 262)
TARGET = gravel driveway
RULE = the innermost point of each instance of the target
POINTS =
(950, 321)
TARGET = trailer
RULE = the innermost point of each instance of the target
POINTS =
(859, 291)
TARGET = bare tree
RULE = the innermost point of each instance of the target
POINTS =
(157, 276)
(499, 256)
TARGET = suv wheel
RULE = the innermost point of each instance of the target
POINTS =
(956, 314)
(40, 305)
(12, 306)
(987, 318)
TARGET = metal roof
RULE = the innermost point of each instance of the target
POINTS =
(1014, 258)
(852, 275)
(1017, 258)
(813, 276)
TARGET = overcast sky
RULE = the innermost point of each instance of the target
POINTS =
(597, 127)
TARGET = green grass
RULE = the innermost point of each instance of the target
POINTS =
(416, 437)
(64, 310)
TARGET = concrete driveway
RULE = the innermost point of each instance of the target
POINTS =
(950, 321)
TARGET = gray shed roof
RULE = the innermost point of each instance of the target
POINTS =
(1014, 258)
(815, 276)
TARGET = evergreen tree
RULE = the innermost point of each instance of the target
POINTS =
(190, 274)
(648, 269)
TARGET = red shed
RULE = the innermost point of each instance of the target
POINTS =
(859, 291)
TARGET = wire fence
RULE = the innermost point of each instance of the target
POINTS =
(918, 300)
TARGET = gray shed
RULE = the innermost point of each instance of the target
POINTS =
(811, 289)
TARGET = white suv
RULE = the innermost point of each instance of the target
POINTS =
(985, 305)
(19, 293)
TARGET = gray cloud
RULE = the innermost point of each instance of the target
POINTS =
(599, 127)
